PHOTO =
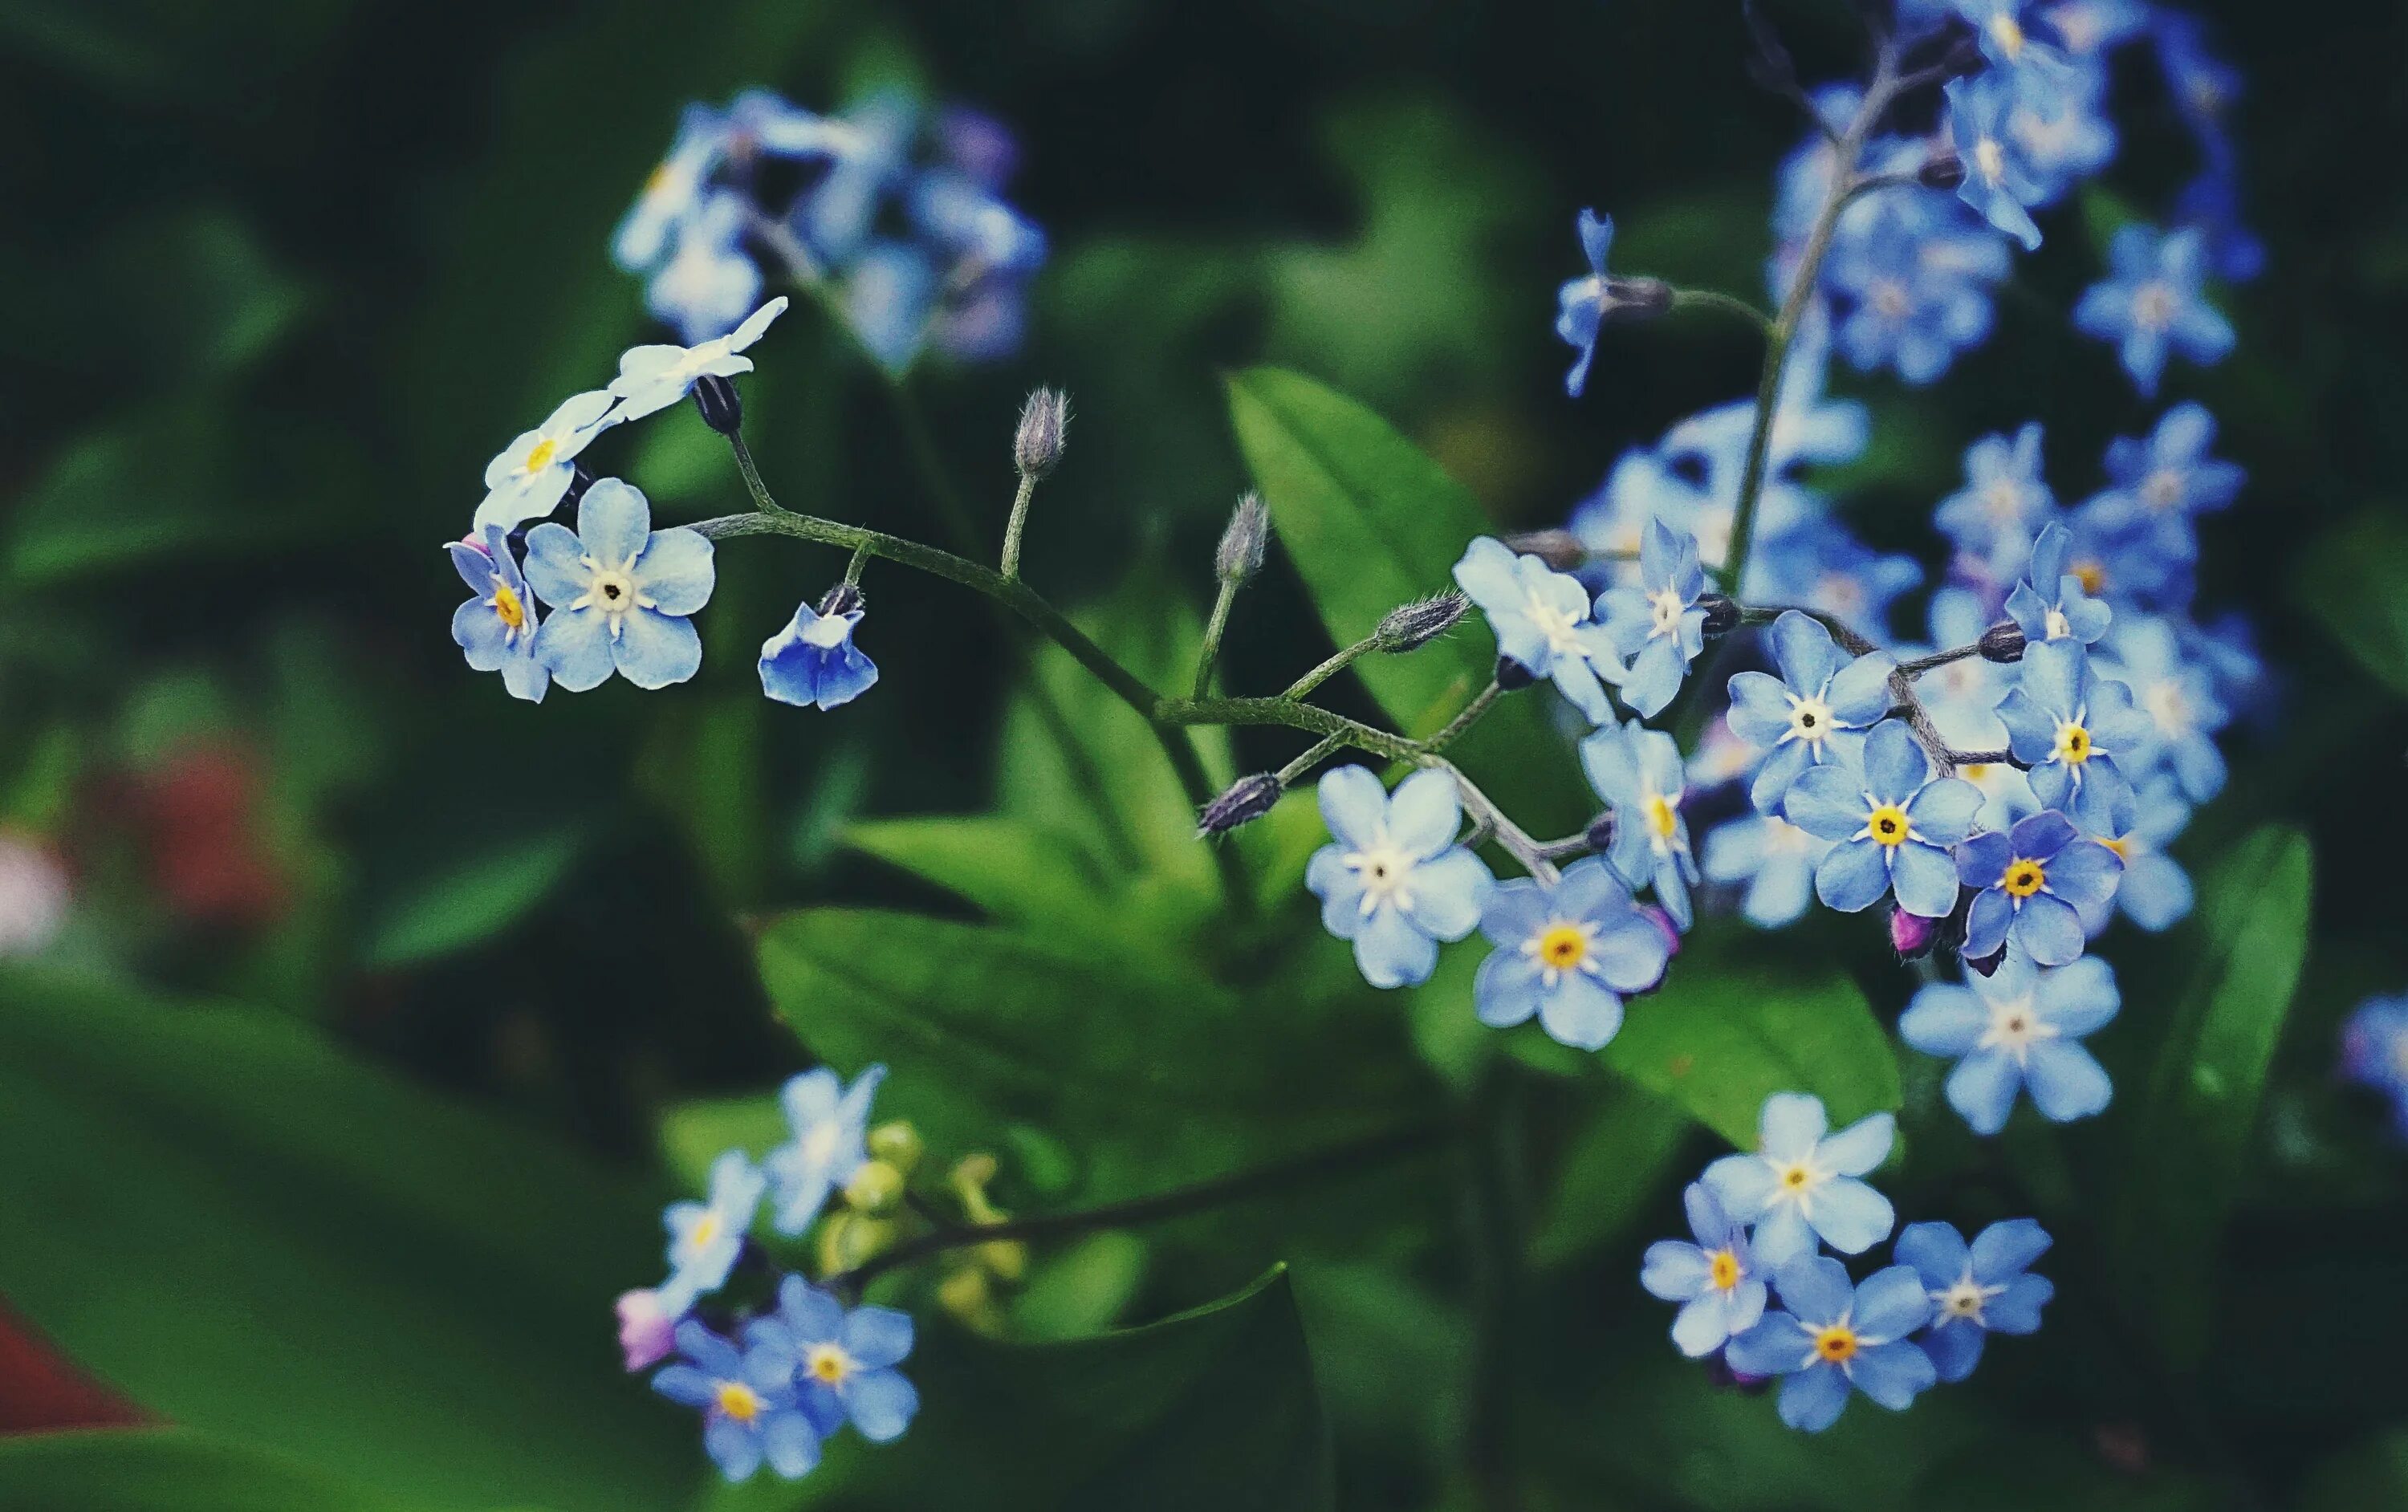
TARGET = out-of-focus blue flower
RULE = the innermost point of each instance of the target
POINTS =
(2067, 724)
(2018, 1027)
(2122, 561)
(620, 592)
(1657, 624)
(1819, 566)
(1721, 756)
(2049, 603)
(1976, 1290)
(1541, 618)
(2177, 695)
(2138, 824)
(2000, 180)
(1568, 953)
(2166, 481)
(813, 662)
(709, 283)
(2228, 647)
(527, 479)
(869, 159)
(1581, 303)
(1715, 1281)
(496, 628)
(673, 194)
(2090, 28)
(1833, 1339)
(1640, 489)
(653, 378)
(2064, 131)
(1998, 28)
(1394, 881)
(1994, 517)
(1638, 772)
(2151, 303)
(1773, 856)
(991, 253)
(888, 300)
(1808, 429)
(2034, 883)
(1803, 1183)
(1894, 823)
(706, 1237)
(2375, 1051)
(1961, 696)
(1816, 711)
(744, 1421)
(1917, 290)
(829, 1142)
(839, 1363)
(2203, 85)
(2210, 205)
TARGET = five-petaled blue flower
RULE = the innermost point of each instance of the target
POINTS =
(1638, 772)
(1657, 624)
(1715, 1280)
(2018, 1027)
(2005, 500)
(527, 479)
(1815, 712)
(2165, 481)
(839, 1362)
(1394, 881)
(2137, 823)
(2151, 303)
(1568, 953)
(1773, 856)
(2036, 883)
(619, 591)
(1799, 1184)
(653, 378)
(2174, 687)
(2066, 725)
(1833, 1338)
(745, 1420)
(2050, 603)
(829, 1124)
(1581, 303)
(1894, 822)
(813, 662)
(1918, 292)
(2000, 180)
(1976, 1290)
(706, 1237)
(2375, 1051)
(1541, 618)
(497, 629)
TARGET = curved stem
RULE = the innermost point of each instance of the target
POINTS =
(1465, 720)
(1727, 303)
(1294, 716)
(1488, 817)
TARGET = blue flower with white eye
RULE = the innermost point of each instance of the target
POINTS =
(838, 1361)
(2034, 883)
(1993, 519)
(708, 284)
(1657, 624)
(674, 192)
(1638, 772)
(527, 479)
(653, 378)
(1816, 711)
(2174, 691)
(1568, 953)
(2091, 28)
(2063, 128)
(1541, 618)
(1773, 856)
(744, 1421)
(1817, 565)
(2050, 604)
(1715, 1280)
(2000, 181)
(829, 1127)
(2166, 481)
(2019, 1027)
(1976, 1290)
(2066, 725)
(2138, 824)
(1395, 881)
(619, 593)
(2152, 305)
(1832, 1339)
(1581, 303)
(1895, 822)
(1917, 294)
(813, 662)
(2375, 1051)
(706, 1237)
(1801, 1182)
(496, 628)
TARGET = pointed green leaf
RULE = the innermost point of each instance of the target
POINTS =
(1013, 871)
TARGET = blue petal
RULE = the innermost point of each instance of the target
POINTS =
(1448, 892)
(1580, 1013)
(614, 523)
(876, 1337)
(2080, 998)
(1944, 811)
(1986, 923)
(1935, 1250)
(1828, 802)
(1895, 765)
(2067, 1082)
(1790, 1126)
(1812, 1399)
(654, 651)
(1891, 1303)
(1983, 1090)
(1944, 1020)
(1851, 1217)
(2017, 1310)
(1775, 1346)
(1802, 648)
(1354, 806)
(1925, 878)
(1955, 1348)
(676, 571)
(1892, 1373)
(1424, 813)
(1675, 1271)
(1505, 991)
(574, 645)
(2084, 874)
(880, 1403)
(1852, 875)
(1743, 1184)
(1816, 1289)
(1703, 1325)
(1390, 952)
(2048, 929)
(554, 568)
(1860, 1148)
(2006, 1249)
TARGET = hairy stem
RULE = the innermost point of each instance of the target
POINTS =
(1336, 663)
(1214, 628)
(1294, 716)
(1019, 522)
(1465, 720)
(1491, 819)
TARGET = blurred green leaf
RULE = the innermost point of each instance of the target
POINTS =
(2354, 578)
(1081, 1290)
(1618, 1158)
(472, 898)
(246, 1232)
(1012, 870)
(693, 1134)
(2191, 1128)
(2015, 1471)
(167, 1470)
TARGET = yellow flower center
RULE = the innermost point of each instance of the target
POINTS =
(2122, 847)
(1836, 1343)
(1564, 947)
(1795, 1177)
(540, 458)
(1722, 1270)
(2073, 744)
(828, 1363)
(2022, 879)
(507, 609)
(1662, 816)
(2092, 575)
(1887, 824)
(705, 1230)
(738, 1400)
(1975, 771)
(2010, 36)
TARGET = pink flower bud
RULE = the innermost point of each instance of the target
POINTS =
(646, 1327)
(1910, 934)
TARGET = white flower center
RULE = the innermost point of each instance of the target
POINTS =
(819, 1146)
(1810, 720)
(1795, 1181)
(1989, 160)
(1889, 299)
(2163, 489)
(2058, 627)
(613, 589)
(2003, 500)
(1780, 838)
(2166, 703)
(827, 631)
(1386, 871)
(2016, 1027)
(2153, 307)
(1557, 626)
(1664, 608)
(1965, 1300)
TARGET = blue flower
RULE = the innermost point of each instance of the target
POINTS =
(1715, 1279)
(1816, 711)
(870, 156)
(2000, 180)
(744, 1421)
(2375, 1051)
(1917, 294)
(2138, 824)
(2164, 482)
(674, 192)
(1800, 1185)
(839, 1362)
(2018, 1027)
(2050, 603)
(2210, 205)
(1808, 429)
(1894, 822)
(1817, 565)
(1638, 772)
(888, 302)
(2203, 86)
(1998, 29)
(1581, 303)
(1773, 856)
(619, 591)
(1833, 1339)
(1395, 882)
(2063, 128)
(1541, 618)
(2035, 883)
(706, 1237)
(708, 284)
(527, 479)
(2176, 693)
(2151, 303)
(2065, 724)
(2122, 560)
(1976, 1290)
(813, 661)
(1993, 519)
(1568, 953)
(2090, 28)
(1657, 624)
(830, 1127)
(1962, 696)
(496, 628)
(653, 378)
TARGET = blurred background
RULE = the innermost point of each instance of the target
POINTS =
(280, 276)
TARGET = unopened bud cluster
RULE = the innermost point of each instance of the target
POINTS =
(1037, 446)
(1411, 625)
(1247, 800)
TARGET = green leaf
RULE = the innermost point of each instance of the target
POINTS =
(1012, 870)
(247, 1233)
(693, 1134)
(2354, 578)
(471, 898)
(1370, 521)
(167, 1470)
(1618, 1158)
(2191, 1128)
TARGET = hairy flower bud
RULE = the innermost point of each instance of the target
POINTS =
(2002, 643)
(721, 409)
(1722, 613)
(1037, 446)
(1558, 548)
(1247, 800)
(1910, 934)
(1241, 553)
(1409, 626)
(1513, 676)
(1943, 169)
(842, 599)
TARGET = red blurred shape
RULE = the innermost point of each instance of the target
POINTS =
(41, 1389)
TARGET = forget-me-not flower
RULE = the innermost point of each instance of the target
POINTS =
(2137, 823)
(2166, 479)
(1918, 293)
(2067, 724)
(526, 479)
(1638, 772)
(2050, 603)
(2063, 128)
(2175, 689)
(653, 378)
(706, 1237)
(2375, 1051)
(1833, 1338)
(1567, 952)
(1818, 564)
(840, 1361)
(744, 1420)
(1658, 624)
(2035, 884)
(496, 628)
(1541, 618)
(2152, 305)
(620, 592)
(1976, 1290)
(1815, 712)
(709, 283)
(1801, 1182)
(1894, 822)
(1393, 880)
(2000, 181)
(2087, 28)
(813, 662)
(1581, 303)
(1961, 696)
(673, 192)
(829, 1128)
(2019, 1027)
(1773, 856)
(1715, 1280)
(2005, 500)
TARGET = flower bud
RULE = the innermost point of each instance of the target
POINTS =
(1037, 446)
(646, 1329)
(1241, 555)
(1600, 832)
(1247, 800)
(874, 1188)
(1722, 613)
(1513, 676)
(1558, 548)
(1910, 934)
(722, 410)
(1987, 965)
(965, 1294)
(1409, 626)
(897, 1144)
(1943, 169)
(848, 1238)
(1636, 299)
(2002, 643)
(842, 599)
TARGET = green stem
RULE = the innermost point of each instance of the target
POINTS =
(1294, 716)
(1214, 629)
(753, 483)
(1465, 720)
(1337, 661)
(1727, 303)
(1018, 522)
(1325, 747)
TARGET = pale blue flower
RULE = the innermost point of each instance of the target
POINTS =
(2153, 305)
(2050, 603)
(744, 1421)
(1801, 1183)
(1567, 952)
(813, 662)
(1773, 856)
(1917, 290)
(620, 592)
(2019, 1027)
(1715, 1280)
(1657, 624)
(1541, 618)
(2164, 482)
(838, 1361)
(2000, 180)
(2138, 824)
(1815, 712)
(1976, 1290)
(1832, 1339)
(828, 1125)
(706, 1237)
(1993, 519)
(2033, 886)
(1818, 564)
(1894, 822)
(2090, 28)
(1639, 774)
(527, 479)
(496, 628)
(709, 283)
(653, 378)
(674, 192)
(1581, 303)
(2177, 692)
(2067, 724)
(1395, 881)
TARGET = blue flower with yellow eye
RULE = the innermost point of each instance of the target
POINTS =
(1541, 618)
(2068, 725)
(674, 192)
(2050, 603)
(706, 1237)
(746, 1421)
(2018, 1028)
(1816, 711)
(839, 1362)
(1394, 881)
(2138, 824)
(1657, 624)
(2063, 127)
(527, 479)
(1831, 1340)
(2033, 885)
(1581, 303)
(620, 592)
(1894, 822)
(496, 628)
(1640, 775)
(2000, 180)
(1715, 1280)
(1976, 1290)
(1567, 952)
(2152, 305)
